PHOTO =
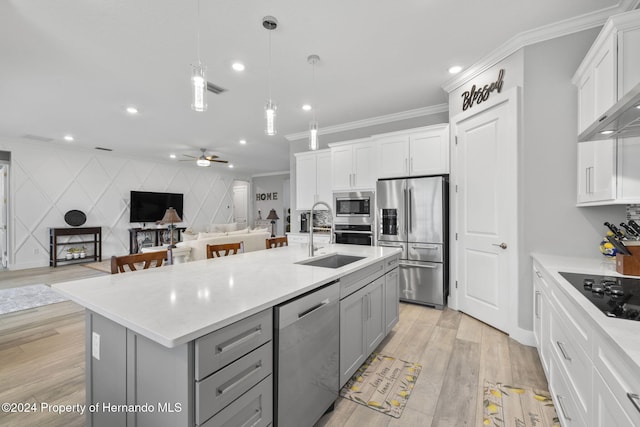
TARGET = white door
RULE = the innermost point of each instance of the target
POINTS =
(240, 203)
(486, 201)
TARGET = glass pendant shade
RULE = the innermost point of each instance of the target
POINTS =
(270, 117)
(313, 135)
(199, 83)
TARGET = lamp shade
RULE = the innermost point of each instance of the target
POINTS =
(170, 216)
(272, 214)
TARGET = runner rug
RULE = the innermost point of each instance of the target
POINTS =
(383, 383)
(25, 297)
(506, 406)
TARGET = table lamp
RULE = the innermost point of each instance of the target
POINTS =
(170, 217)
(273, 216)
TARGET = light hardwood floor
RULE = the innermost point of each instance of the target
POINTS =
(42, 360)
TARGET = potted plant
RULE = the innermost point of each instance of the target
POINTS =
(69, 254)
(76, 253)
(83, 252)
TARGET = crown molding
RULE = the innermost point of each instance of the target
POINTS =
(537, 35)
(271, 174)
(389, 118)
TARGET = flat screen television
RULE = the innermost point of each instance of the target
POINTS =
(147, 206)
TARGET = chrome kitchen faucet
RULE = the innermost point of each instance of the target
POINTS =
(311, 248)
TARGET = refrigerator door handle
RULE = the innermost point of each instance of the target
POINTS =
(425, 247)
(409, 212)
(429, 266)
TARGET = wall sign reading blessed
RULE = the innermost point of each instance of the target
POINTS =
(266, 196)
(479, 95)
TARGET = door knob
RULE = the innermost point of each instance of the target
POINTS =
(501, 245)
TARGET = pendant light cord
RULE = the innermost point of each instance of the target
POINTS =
(313, 88)
(198, 30)
(269, 69)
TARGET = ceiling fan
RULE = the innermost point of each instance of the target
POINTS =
(205, 160)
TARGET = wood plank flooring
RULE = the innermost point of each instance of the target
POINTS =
(42, 360)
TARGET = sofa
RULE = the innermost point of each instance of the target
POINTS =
(253, 240)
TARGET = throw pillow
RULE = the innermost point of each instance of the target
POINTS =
(189, 236)
(210, 235)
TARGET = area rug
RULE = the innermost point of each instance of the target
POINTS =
(25, 297)
(506, 406)
(382, 383)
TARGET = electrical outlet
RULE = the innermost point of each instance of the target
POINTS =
(95, 345)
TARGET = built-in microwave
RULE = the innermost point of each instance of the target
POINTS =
(354, 204)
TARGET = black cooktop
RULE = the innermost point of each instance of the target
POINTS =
(615, 296)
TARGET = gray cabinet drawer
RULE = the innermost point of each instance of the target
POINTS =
(218, 390)
(222, 347)
(254, 408)
(356, 280)
(391, 263)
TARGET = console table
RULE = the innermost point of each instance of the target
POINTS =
(145, 237)
(95, 240)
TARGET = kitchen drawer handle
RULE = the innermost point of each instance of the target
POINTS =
(537, 304)
(562, 350)
(564, 412)
(635, 399)
(240, 339)
(242, 376)
(312, 309)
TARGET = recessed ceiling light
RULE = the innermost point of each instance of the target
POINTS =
(243, 141)
(455, 69)
(638, 106)
(238, 66)
(606, 132)
(173, 156)
(68, 138)
(231, 165)
(132, 110)
(306, 107)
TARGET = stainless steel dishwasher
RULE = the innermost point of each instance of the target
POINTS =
(307, 333)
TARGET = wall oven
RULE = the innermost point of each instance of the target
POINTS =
(354, 217)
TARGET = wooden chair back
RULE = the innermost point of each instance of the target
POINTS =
(223, 249)
(135, 261)
(276, 242)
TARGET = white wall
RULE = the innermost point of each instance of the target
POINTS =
(270, 184)
(48, 180)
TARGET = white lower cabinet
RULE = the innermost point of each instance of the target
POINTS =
(374, 317)
(592, 381)
(391, 299)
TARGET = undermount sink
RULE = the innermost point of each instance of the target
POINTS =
(331, 261)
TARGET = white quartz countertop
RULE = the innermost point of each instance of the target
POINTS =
(175, 304)
(623, 333)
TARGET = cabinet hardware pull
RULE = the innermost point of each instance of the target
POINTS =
(562, 350)
(240, 339)
(635, 399)
(312, 309)
(239, 378)
(537, 304)
(564, 412)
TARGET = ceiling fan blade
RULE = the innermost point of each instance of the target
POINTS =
(220, 161)
(192, 157)
(211, 157)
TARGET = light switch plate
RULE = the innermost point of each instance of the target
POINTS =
(95, 345)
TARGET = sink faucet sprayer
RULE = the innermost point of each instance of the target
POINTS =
(311, 227)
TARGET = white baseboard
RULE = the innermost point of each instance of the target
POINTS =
(523, 336)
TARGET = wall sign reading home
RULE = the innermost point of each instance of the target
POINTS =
(266, 196)
(479, 95)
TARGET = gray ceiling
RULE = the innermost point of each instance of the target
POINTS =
(72, 66)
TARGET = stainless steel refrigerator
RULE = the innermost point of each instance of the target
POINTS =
(412, 214)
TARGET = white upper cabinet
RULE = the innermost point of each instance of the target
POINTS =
(313, 178)
(609, 70)
(354, 165)
(422, 151)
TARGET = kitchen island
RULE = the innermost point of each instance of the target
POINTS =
(175, 345)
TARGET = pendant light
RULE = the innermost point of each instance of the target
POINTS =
(270, 23)
(313, 125)
(198, 79)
